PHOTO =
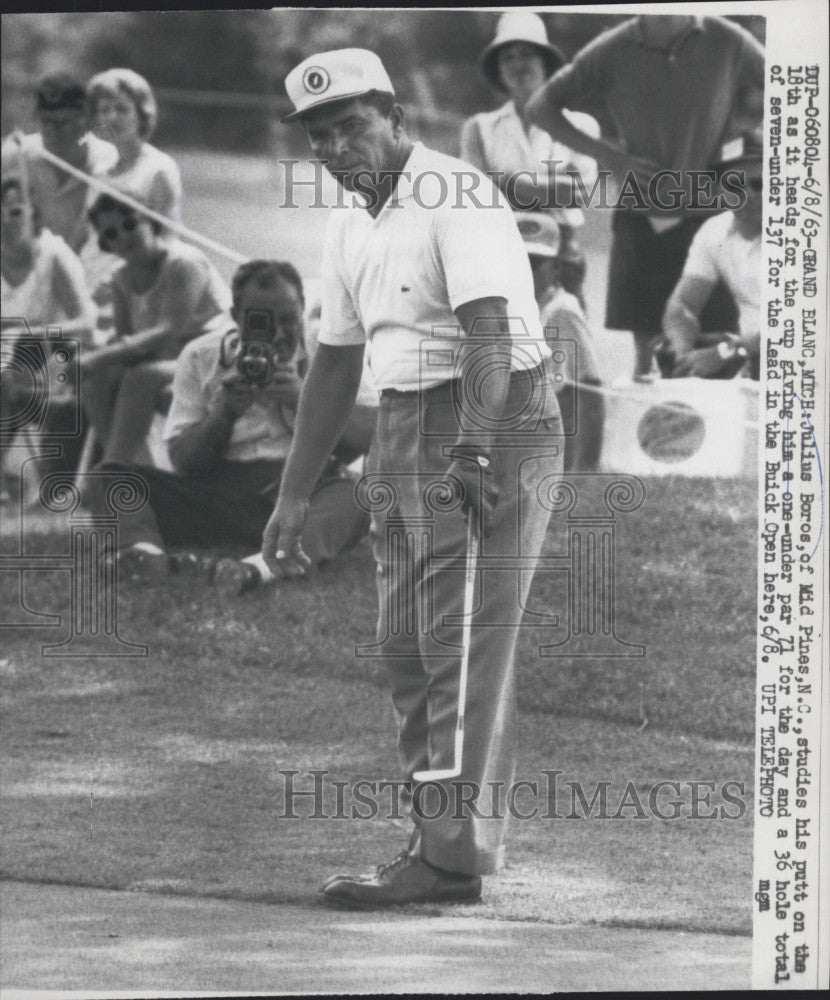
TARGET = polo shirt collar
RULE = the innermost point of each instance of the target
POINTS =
(404, 187)
(694, 28)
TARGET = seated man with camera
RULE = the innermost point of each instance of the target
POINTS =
(228, 432)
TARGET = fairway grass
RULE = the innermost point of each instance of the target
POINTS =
(163, 773)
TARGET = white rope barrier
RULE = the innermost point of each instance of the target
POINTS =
(237, 258)
(99, 185)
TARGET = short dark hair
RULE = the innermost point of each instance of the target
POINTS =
(266, 273)
(59, 92)
(107, 203)
(381, 100)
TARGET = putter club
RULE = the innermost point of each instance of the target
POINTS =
(469, 588)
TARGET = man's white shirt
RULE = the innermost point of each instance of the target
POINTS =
(261, 433)
(721, 251)
(396, 280)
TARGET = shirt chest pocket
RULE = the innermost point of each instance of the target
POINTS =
(370, 265)
(385, 279)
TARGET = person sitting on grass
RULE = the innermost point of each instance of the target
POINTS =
(164, 294)
(228, 440)
(569, 337)
(726, 248)
(43, 290)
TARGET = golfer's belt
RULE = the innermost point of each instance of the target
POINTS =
(449, 387)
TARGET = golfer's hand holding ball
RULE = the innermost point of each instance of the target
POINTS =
(474, 482)
(281, 547)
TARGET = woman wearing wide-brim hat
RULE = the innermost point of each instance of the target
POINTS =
(503, 143)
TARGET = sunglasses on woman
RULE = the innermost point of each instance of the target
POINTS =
(128, 225)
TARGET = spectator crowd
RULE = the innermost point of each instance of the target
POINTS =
(160, 333)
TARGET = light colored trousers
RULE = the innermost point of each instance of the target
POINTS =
(420, 549)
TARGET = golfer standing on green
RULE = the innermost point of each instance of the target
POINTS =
(437, 280)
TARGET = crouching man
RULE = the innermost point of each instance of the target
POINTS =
(726, 248)
(228, 432)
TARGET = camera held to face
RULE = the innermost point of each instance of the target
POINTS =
(262, 347)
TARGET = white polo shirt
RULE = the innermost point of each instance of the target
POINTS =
(396, 280)
(721, 251)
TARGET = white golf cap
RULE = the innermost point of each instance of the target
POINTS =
(539, 232)
(334, 76)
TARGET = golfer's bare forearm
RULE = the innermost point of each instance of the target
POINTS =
(356, 438)
(488, 330)
(491, 396)
(326, 401)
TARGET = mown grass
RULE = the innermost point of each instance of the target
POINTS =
(685, 586)
(162, 773)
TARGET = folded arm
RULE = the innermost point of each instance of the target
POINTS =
(545, 110)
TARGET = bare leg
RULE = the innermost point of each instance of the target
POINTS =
(98, 392)
(584, 454)
(644, 344)
(135, 406)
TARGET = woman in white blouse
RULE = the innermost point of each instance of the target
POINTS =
(520, 156)
(123, 110)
